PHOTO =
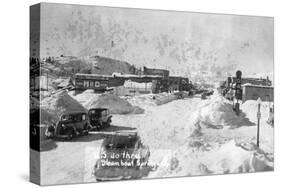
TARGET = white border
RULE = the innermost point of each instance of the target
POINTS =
(14, 42)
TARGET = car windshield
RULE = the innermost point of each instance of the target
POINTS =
(97, 113)
(74, 117)
(120, 142)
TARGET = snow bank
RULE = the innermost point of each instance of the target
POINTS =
(250, 107)
(148, 101)
(184, 137)
(228, 158)
(166, 126)
(115, 104)
(164, 98)
(61, 103)
(85, 97)
(145, 100)
(218, 113)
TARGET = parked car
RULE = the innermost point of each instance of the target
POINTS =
(99, 118)
(132, 162)
(204, 95)
(69, 126)
(207, 93)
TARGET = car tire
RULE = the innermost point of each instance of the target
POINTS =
(71, 135)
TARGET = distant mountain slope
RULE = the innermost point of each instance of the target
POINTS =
(154, 39)
(68, 66)
(107, 66)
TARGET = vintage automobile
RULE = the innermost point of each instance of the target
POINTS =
(99, 118)
(207, 93)
(122, 156)
(204, 95)
(69, 126)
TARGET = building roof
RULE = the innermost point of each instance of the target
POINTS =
(260, 86)
(117, 75)
(99, 76)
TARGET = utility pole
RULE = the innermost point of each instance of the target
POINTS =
(259, 117)
(47, 81)
(238, 90)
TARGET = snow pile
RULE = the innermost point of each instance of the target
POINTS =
(46, 117)
(115, 104)
(250, 107)
(61, 103)
(166, 126)
(85, 97)
(151, 100)
(218, 113)
(145, 101)
(163, 98)
(228, 158)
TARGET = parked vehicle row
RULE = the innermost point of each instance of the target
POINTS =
(75, 124)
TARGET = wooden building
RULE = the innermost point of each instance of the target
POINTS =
(253, 92)
(98, 83)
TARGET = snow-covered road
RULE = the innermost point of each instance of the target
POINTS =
(199, 137)
(164, 126)
(186, 137)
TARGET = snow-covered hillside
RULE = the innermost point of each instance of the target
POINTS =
(175, 41)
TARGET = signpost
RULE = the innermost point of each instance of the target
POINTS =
(238, 90)
(259, 117)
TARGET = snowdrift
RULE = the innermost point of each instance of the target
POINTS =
(164, 98)
(115, 104)
(228, 158)
(85, 97)
(145, 100)
(252, 106)
(61, 103)
(148, 101)
(218, 113)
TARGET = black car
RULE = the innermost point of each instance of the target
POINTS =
(99, 118)
(69, 125)
(122, 156)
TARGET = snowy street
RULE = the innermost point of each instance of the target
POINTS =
(149, 94)
(186, 137)
(198, 135)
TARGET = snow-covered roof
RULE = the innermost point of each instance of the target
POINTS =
(93, 75)
(252, 85)
(65, 83)
(115, 74)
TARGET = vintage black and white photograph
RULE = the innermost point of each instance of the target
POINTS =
(128, 94)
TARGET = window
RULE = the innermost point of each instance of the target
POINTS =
(86, 83)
